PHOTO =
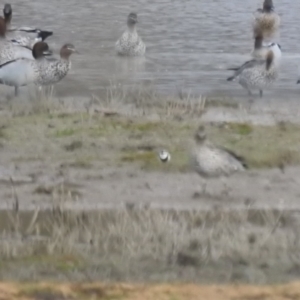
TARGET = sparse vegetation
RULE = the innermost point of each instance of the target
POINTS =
(142, 244)
(138, 243)
(99, 138)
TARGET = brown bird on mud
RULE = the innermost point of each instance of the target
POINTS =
(209, 160)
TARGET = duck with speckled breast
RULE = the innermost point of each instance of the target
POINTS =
(130, 43)
(259, 74)
(41, 71)
(266, 20)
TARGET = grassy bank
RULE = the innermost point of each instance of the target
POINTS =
(79, 139)
(147, 245)
(137, 244)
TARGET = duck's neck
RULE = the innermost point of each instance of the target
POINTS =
(7, 18)
(258, 43)
(131, 28)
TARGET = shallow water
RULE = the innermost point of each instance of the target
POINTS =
(190, 43)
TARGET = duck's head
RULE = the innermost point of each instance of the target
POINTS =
(66, 51)
(132, 19)
(268, 5)
(7, 12)
(41, 49)
(200, 135)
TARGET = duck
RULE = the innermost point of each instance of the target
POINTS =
(130, 43)
(266, 20)
(259, 74)
(41, 71)
(23, 36)
(10, 51)
(211, 161)
(23, 71)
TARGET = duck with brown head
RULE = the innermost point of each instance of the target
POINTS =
(23, 36)
(23, 71)
(54, 70)
(130, 43)
(266, 20)
(259, 74)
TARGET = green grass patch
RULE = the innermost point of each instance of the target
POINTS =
(64, 132)
(102, 139)
(241, 128)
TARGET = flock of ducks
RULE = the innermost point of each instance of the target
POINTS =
(209, 160)
(25, 58)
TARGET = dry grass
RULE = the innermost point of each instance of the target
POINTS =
(149, 245)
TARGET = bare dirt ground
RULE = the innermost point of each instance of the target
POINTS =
(43, 291)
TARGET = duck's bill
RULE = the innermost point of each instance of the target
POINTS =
(298, 81)
(47, 53)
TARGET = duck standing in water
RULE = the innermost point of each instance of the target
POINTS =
(266, 20)
(23, 36)
(130, 44)
(259, 74)
(41, 71)
(210, 161)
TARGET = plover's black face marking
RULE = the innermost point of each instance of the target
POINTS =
(164, 156)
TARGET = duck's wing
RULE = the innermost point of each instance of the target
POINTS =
(234, 157)
(33, 32)
(24, 41)
(247, 65)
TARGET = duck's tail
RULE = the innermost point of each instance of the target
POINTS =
(231, 78)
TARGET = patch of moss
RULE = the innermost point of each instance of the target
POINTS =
(64, 132)
(261, 146)
(81, 163)
(241, 128)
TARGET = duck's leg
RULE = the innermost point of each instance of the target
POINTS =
(204, 188)
(261, 93)
(16, 91)
(51, 90)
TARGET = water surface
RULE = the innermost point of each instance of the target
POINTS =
(190, 43)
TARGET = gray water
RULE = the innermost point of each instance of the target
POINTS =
(190, 43)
